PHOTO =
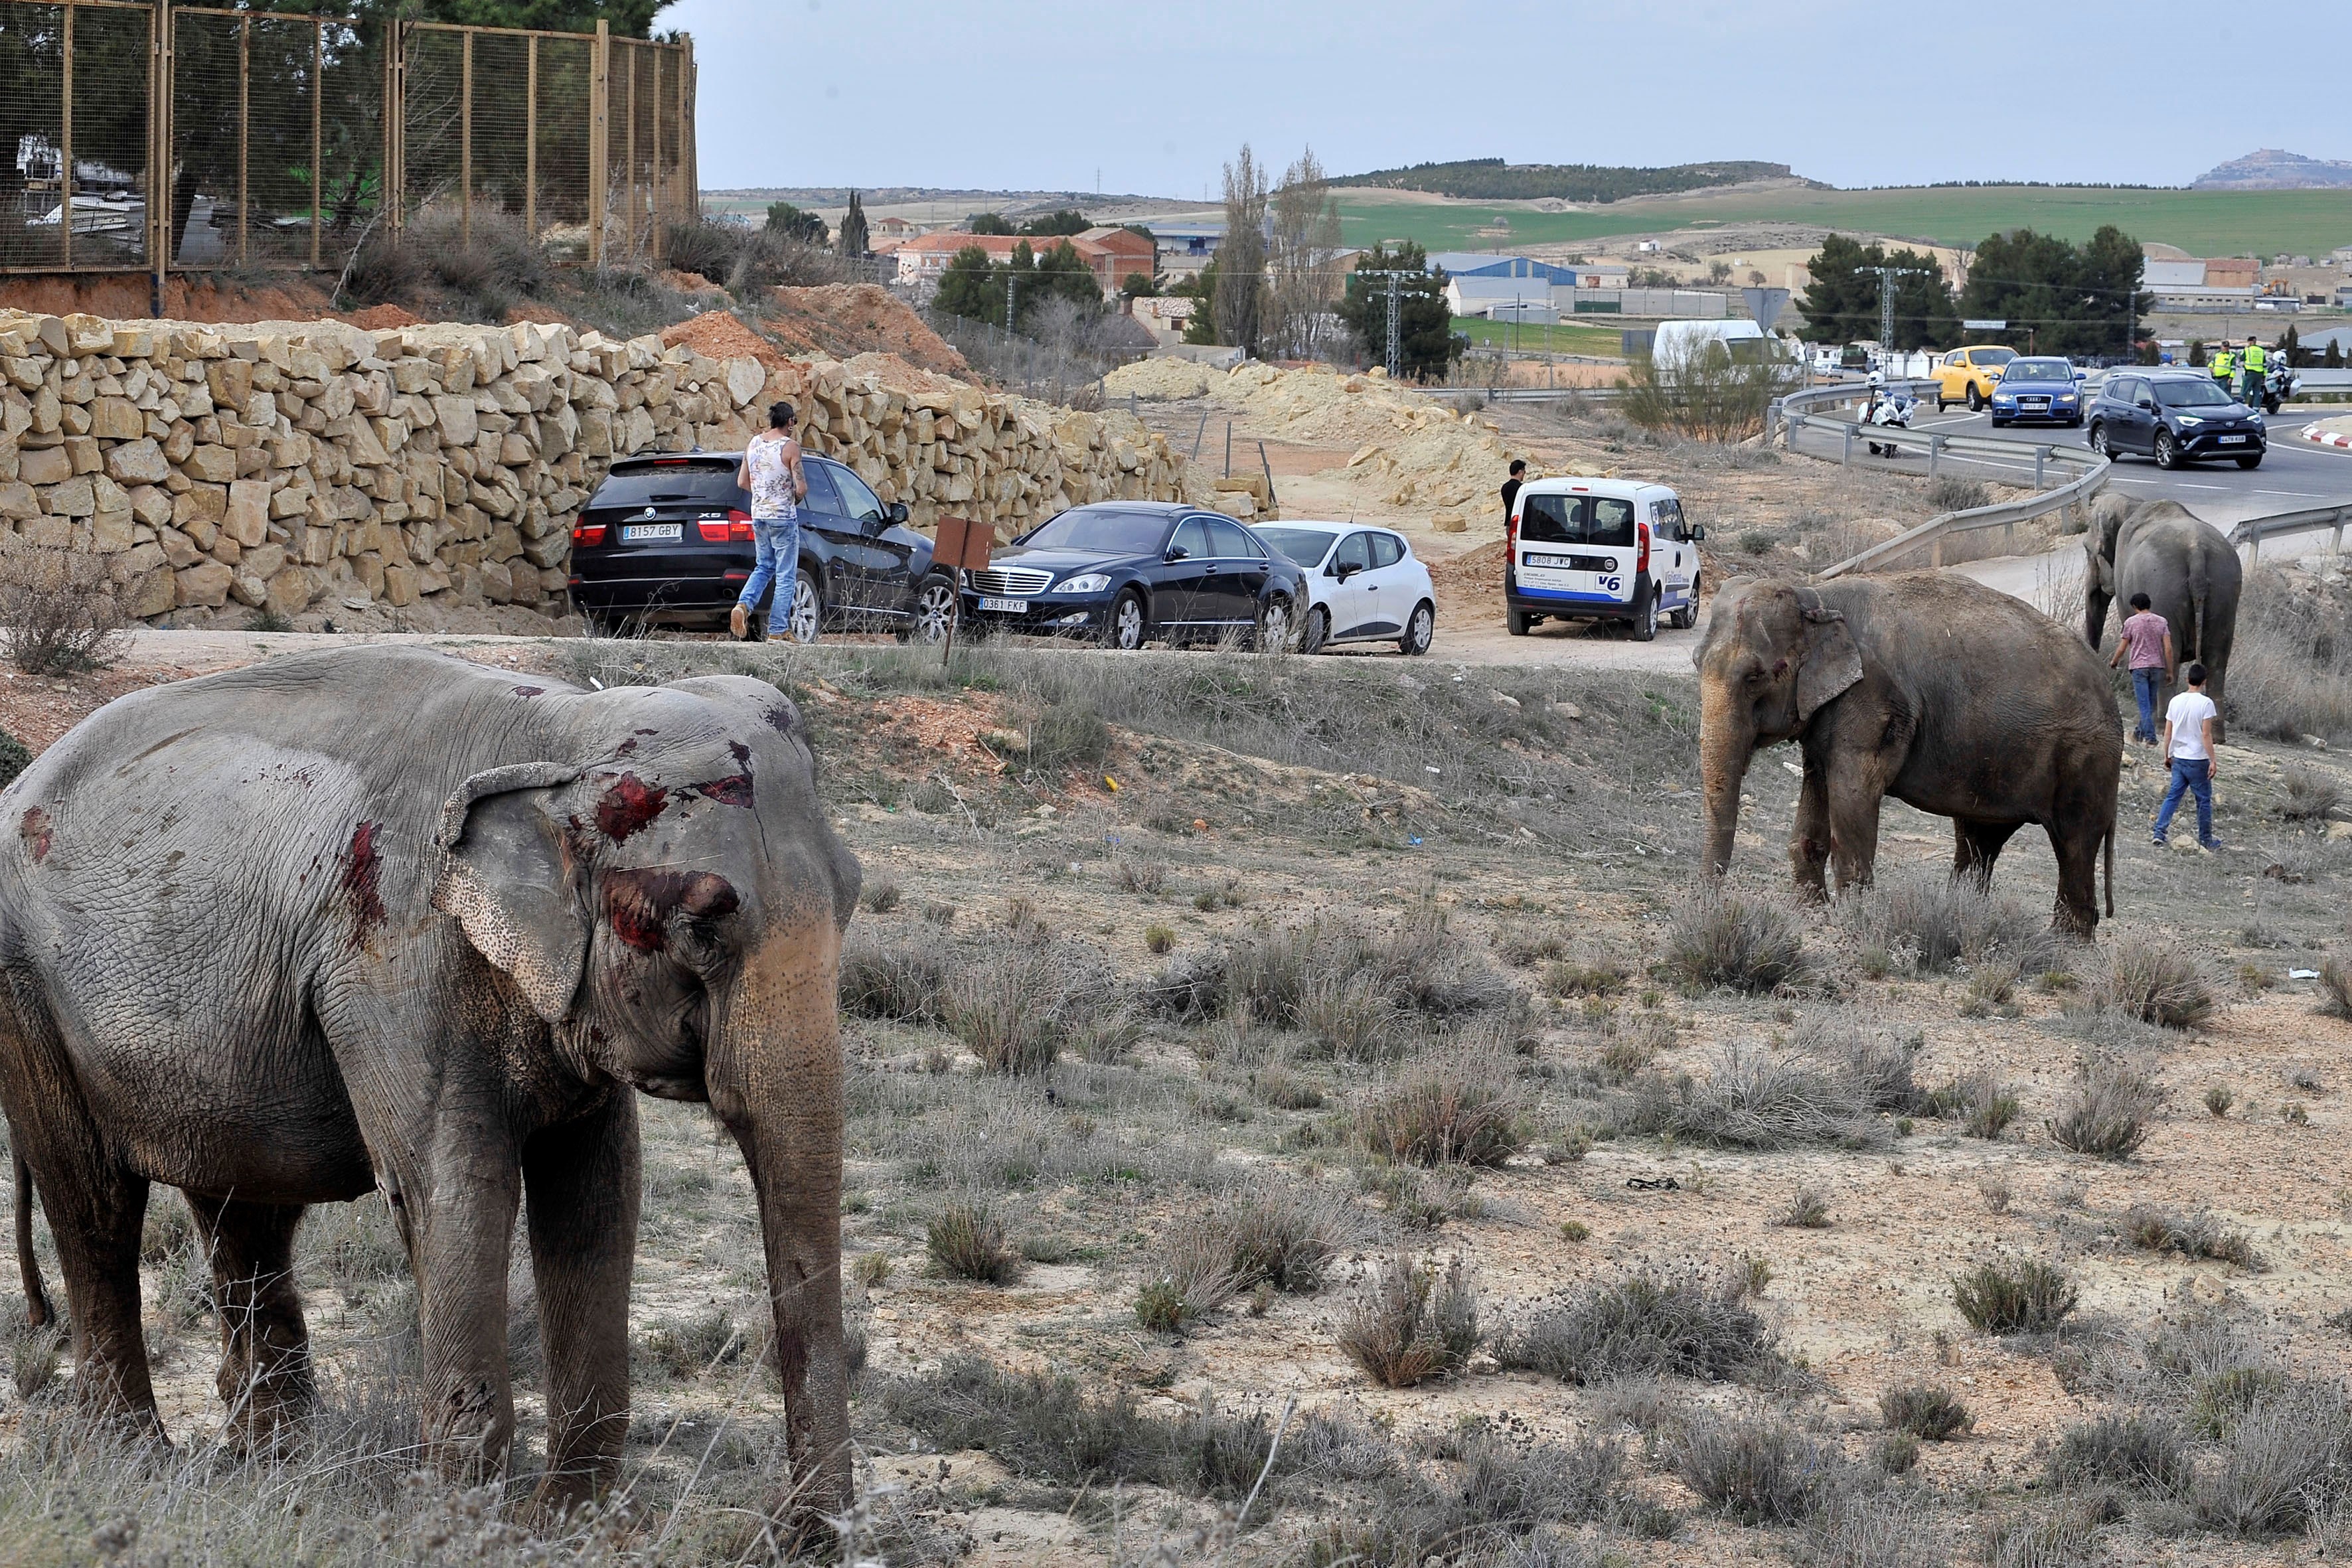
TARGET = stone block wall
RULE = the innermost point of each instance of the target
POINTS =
(282, 464)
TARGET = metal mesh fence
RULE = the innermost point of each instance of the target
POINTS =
(274, 135)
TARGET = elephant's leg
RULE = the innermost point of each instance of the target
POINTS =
(265, 1373)
(1854, 830)
(2076, 913)
(1809, 841)
(583, 1185)
(463, 1231)
(1976, 845)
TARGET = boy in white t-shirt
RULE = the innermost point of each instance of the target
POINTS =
(2187, 748)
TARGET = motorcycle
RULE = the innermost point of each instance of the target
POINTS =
(1887, 411)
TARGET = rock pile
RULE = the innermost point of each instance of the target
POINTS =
(283, 463)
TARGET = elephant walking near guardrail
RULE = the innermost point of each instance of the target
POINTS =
(382, 919)
(1948, 695)
(2188, 571)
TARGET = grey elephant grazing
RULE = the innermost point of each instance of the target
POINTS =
(382, 919)
(1948, 695)
(2189, 573)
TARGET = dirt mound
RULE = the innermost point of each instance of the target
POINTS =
(720, 335)
(892, 371)
(1470, 586)
(1157, 380)
(845, 320)
(382, 317)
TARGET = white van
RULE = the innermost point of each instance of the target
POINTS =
(1614, 550)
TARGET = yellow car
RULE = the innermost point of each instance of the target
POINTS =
(1969, 375)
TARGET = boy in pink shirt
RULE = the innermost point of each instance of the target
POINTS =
(2146, 637)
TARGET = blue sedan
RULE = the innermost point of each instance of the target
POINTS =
(2044, 391)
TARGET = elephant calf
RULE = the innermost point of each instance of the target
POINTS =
(1948, 695)
(385, 920)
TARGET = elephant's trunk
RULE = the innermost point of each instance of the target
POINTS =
(1727, 739)
(775, 1074)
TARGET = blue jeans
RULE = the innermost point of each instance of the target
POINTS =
(777, 541)
(2196, 775)
(2148, 685)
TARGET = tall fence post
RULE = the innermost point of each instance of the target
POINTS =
(1847, 456)
(159, 158)
(599, 136)
(2041, 457)
(531, 137)
(1934, 452)
(466, 137)
(65, 149)
(391, 203)
(245, 138)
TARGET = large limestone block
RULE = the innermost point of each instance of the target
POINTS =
(247, 518)
(138, 462)
(44, 466)
(207, 583)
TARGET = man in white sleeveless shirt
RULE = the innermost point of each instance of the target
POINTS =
(771, 472)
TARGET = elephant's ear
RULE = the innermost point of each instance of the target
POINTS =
(510, 880)
(1829, 663)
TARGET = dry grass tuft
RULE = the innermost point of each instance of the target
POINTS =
(1735, 941)
(2107, 1114)
(967, 1241)
(2029, 1298)
(58, 613)
(2199, 1234)
(2154, 980)
(1410, 1324)
(1758, 1469)
(1461, 1105)
(1928, 1411)
(1681, 1322)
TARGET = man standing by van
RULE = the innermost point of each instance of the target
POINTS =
(1511, 487)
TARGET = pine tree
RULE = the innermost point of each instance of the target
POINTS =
(853, 228)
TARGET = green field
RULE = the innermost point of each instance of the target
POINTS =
(2203, 223)
(1602, 342)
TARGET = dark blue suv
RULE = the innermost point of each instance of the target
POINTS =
(2176, 417)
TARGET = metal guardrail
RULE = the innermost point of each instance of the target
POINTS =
(2254, 530)
(2091, 473)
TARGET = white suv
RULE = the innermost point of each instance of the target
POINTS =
(1613, 550)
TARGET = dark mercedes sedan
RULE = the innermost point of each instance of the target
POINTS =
(666, 540)
(1126, 573)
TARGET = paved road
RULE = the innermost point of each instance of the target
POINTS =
(2294, 475)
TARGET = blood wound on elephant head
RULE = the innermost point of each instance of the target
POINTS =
(33, 828)
(629, 807)
(363, 878)
(640, 903)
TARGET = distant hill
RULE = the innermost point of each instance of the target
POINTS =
(1491, 179)
(2272, 170)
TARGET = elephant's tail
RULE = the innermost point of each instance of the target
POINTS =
(2111, 870)
(36, 1297)
(2200, 585)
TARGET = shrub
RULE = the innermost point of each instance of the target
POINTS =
(2335, 991)
(880, 896)
(1421, 965)
(1410, 1325)
(58, 612)
(1192, 1276)
(1158, 938)
(1677, 1322)
(1283, 1234)
(2107, 1114)
(2284, 1459)
(1735, 942)
(2142, 1453)
(1505, 1504)
(15, 758)
(2309, 794)
(1066, 735)
(2219, 1397)
(967, 1241)
(1755, 540)
(1759, 1468)
(2032, 1297)
(2154, 980)
(1942, 921)
(1983, 1103)
(684, 1348)
(1462, 1105)
(1807, 1210)
(1752, 1099)
(1947, 493)
(1928, 1411)
(1049, 1427)
(2199, 1234)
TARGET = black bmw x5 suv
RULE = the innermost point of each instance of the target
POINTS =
(666, 540)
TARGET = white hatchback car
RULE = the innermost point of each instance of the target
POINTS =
(1363, 585)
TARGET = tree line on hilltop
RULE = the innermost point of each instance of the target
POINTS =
(2058, 298)
(1491, 179)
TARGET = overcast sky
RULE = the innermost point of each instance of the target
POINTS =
(1042, 93)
